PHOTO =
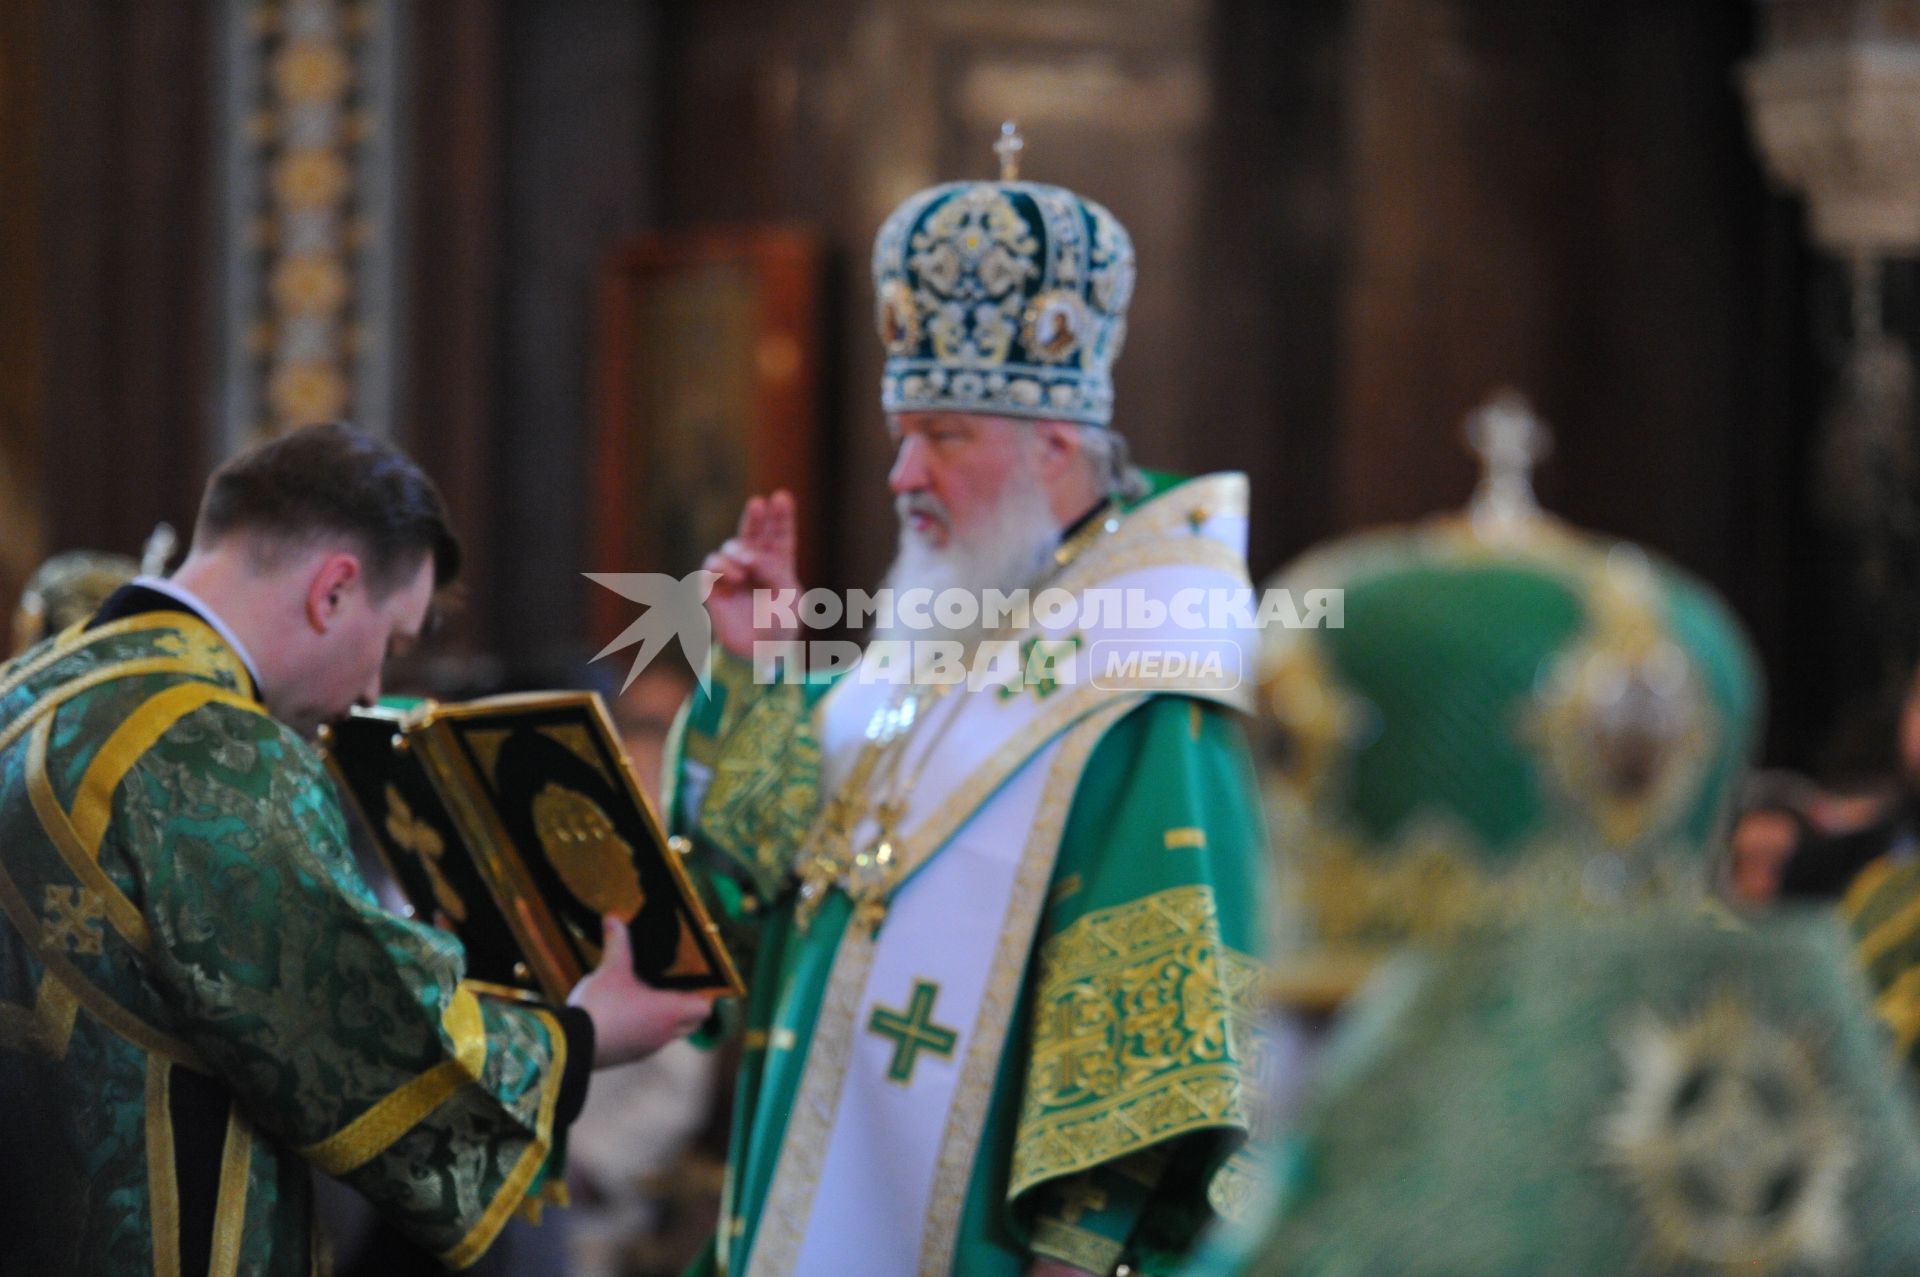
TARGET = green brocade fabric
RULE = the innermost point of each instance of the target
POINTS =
(1669, 1095)
(1100, 1145)
(199, 994)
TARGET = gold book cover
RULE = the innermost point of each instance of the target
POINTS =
(516, 822)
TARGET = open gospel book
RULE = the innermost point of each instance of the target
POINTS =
(515, 821)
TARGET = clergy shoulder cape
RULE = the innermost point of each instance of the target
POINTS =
(1045, 1046)
(199, 994)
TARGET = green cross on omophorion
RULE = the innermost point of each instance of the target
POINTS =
(913, 1032)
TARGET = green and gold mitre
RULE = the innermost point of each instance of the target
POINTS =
(1513, 719)
(1007, 298)
(1653, 1094)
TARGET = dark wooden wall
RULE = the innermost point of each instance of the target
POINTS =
(114, 156)
(22, 347)
(1564, 198)
(451, 379)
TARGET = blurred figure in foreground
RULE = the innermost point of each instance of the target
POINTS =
(1500, 785)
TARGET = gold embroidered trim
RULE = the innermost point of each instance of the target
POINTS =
(137, 733)
(1186, 839)
(78, 636)
(1898, 927)
(1352, 903)
(1223, 494)
(121, 912)
(1241, 1183)
(65, 692)
(764, 794)
(1079, 1247)
(79, 988)
(375, 1130)
(21, 674)
(514, 1188)
(46, 1028)
(1144, 1029)
(1899, 1008)
(1866, 883)
(552, 1193)
(967, 1117)
(1122, 552)
(734, 677)
(919, 844)
(803, 1150)
(467, 1026)
(1155, 534)
(789, 1200)
(163, 1185)
(56, 1017)
(230, 1214)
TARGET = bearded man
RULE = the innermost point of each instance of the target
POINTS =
(1001, 1008)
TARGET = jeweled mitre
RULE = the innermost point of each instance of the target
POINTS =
(1007, 298)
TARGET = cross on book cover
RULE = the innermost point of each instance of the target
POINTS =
(516, 823)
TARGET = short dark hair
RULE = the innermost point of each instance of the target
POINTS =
(335, 479)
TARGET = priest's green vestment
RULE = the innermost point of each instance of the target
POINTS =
(1104, 1077)
(199, 995)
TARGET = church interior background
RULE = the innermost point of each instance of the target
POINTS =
(481, 226)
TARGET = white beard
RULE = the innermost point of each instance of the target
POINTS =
(1012, 551)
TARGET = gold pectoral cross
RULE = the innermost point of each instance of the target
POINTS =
(828, 855)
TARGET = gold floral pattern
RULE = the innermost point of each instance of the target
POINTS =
(1144, 1029)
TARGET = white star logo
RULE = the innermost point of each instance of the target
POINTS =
(676, 608)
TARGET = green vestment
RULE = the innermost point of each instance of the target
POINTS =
(1125, 1079)
(199, 995)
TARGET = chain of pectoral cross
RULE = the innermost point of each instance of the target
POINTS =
(830, 857)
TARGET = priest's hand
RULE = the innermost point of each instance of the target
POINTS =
(758, 556)
(631, 1018)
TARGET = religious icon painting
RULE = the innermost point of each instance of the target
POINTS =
(516, 823)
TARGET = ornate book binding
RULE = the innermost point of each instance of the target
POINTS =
(516, 822)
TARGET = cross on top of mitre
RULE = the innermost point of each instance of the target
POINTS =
(1510, 441)
(1008, 148)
